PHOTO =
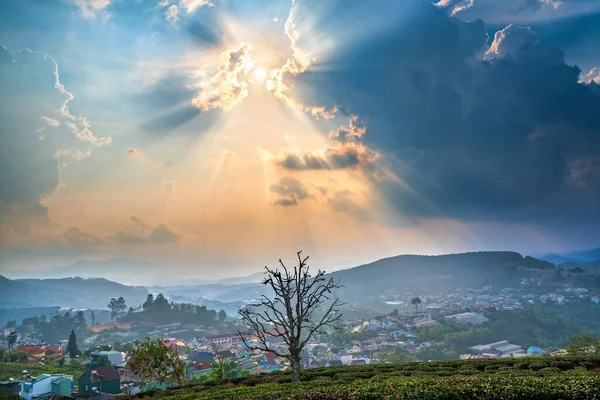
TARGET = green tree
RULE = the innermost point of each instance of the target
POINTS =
(12, 339)
(72, 348)
(103, 361)
(93, 316)
(415, 302)
(117, 307)
(17, 356)
(222, 315)
(161, 304)
(80, 320)
(11, 323)
(581, 345)
(155, 361)
(149, 303)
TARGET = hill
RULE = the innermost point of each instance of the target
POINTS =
(66, 292)
(408, 273)
(533, 378)
(589, 265)
(575, 256)
(122, 269)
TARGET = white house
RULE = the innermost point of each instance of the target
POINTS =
(45, 383)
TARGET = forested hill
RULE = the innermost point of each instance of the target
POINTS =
(410, 272)
(66, 292)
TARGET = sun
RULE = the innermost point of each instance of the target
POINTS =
(259, 74)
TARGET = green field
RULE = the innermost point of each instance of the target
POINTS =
(530, 378)
(15, 370)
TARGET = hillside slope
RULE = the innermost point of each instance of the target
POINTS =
(411, 272)
(66, 292)
(531, 378)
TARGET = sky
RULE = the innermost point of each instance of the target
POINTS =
(207, 138)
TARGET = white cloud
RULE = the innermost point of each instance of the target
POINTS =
(172, 13)
(90, 8)
(592, 76)
(228, 85)
(511, 41)
(455, 6)
(174, 8)
(51, 122)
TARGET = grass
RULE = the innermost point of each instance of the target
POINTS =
(531, 378)
(15, 370)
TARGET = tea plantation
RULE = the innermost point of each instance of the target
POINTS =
(525, 378)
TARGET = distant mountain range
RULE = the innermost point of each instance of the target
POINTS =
(117, 268)
(66, 292)
(576, 256)
(400, 274)
(420, 274)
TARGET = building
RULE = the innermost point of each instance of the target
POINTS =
(426, 322)
(468, 318)
(47, 384)
(99, 380)
(34, 352)
(128, 375)
(223, 340)
(13, 386)
(502, 347)
(115, 357)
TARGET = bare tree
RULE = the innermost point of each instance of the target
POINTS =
(302, 306)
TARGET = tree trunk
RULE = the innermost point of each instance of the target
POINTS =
(296, 370)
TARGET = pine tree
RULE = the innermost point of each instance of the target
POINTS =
(72, 348)
(12, 339)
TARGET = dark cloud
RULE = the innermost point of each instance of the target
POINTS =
(342, 200)
(206, 32)
(76, 236)
(290, 191)
(145, 233)
(162, 234)
(129, 238)
(472, 131)
(346, 151)
(28, 167)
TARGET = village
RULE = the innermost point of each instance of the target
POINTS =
(406, 335)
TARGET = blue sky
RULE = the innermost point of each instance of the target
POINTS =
(216, 135)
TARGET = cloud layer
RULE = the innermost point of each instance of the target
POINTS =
(473, 130)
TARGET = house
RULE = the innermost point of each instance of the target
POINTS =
(13, 386)
(426, 322)
(223, 340)
(510, 349)
(532, 350)
(34, 352)
(198, 368)
(99, 380)
(115, 357)
(596, 300)
(58, 351)
(128, 375)
(226, 354)
(271, 358)
(468, 318)
(201, 356)
(47, 384)
(104, 327)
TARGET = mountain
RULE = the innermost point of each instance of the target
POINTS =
(15, 294)
(256, 277)
(118, 268)
(575, 256)
(66, 292)
(418, 274)
(589, 265)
